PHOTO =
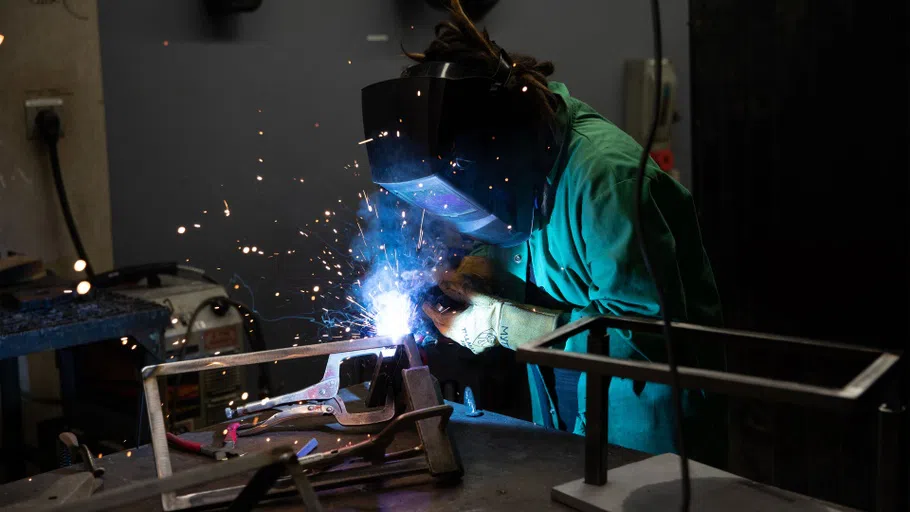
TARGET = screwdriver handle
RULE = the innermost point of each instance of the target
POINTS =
(70, 441)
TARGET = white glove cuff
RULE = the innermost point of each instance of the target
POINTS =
(518, 325)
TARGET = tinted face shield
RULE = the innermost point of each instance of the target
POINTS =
(456, 147)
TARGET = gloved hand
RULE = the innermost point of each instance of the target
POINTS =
(487, 320)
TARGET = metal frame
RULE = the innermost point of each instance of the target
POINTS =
(170, 500)
(602, 367)
(540, 352)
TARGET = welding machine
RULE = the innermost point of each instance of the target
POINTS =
(198, 399)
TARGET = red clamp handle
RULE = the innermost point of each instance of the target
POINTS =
(184, 444)
(230, 438)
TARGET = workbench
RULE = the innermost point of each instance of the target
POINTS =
(509, 464)
(66, 324)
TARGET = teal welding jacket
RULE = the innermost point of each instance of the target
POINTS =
(586, 257)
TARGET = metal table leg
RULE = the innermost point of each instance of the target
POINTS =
(11, 396)
(597, 416)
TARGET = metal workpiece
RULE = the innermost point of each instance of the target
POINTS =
(861, 390)
(280, 354)
(435, 451)
(423, 391)
(374, 448)
(541, 351)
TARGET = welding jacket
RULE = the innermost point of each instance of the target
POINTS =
(585, 259)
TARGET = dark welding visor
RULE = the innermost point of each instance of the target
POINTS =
(449, 141)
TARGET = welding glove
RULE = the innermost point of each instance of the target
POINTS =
(487, 320)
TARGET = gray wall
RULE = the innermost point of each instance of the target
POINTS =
(183, 119)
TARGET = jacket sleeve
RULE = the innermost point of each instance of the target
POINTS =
(620, 283)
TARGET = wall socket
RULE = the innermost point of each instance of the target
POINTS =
(33, 106)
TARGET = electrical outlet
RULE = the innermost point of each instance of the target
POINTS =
(33, 106)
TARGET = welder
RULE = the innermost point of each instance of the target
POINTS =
(480, 136)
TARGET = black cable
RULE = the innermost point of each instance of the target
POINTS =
(251, 330)
(66, 5)
(642, 243)
(48, 125)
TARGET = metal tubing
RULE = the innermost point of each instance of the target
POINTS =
(256, 489)
(645, 325)
(597, 425)
(320, 482)
(267, 356)
(710, 380)
(304, 488)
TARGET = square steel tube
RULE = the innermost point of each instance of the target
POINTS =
(150, 374)
(540, 351)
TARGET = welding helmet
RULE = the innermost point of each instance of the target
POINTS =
(457, 143)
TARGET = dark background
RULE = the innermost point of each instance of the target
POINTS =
(801, 179)
(798, 150)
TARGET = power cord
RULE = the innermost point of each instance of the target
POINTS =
(251, 329)
(643, 246)
(48, 124)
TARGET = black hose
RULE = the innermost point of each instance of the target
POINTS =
(642, 243)
(251, 330)
(48, 124)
